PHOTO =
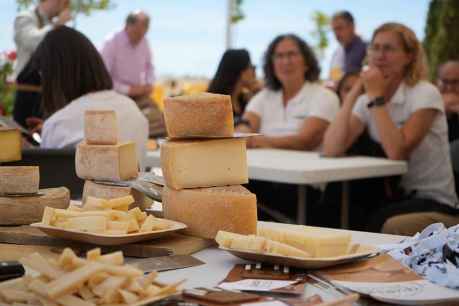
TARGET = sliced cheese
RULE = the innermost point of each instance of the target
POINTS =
(108, 192)
(205, 163)
(10, 144)
(205, 211)
(19, 179)
(111, 162)
(315, 241)
(202, 114)
(100, 127)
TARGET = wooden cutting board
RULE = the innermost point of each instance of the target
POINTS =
(27, 210)
(382, 269)
(18, 240)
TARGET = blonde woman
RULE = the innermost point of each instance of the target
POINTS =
(405, 115)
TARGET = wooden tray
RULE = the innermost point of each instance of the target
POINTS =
(106, 239)
(362, 252)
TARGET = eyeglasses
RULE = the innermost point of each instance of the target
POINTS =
(385, 49)
(287, 55)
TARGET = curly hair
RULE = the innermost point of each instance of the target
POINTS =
(417, 68)
(311, 74)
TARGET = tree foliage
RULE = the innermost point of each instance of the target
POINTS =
(237, 14)
(78, 6)
(320, 33)
(441, 41)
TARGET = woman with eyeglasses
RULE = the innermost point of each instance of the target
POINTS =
(293, 110)
(235, 76)
(404, 114)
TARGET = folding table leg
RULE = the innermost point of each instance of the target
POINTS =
(301, 205)
(345, 206)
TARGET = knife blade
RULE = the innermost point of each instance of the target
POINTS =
(165, 263)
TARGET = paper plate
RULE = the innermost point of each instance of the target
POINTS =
(102, 239)
(235, 135)
(362, 252)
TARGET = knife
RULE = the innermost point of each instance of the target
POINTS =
(165, 263)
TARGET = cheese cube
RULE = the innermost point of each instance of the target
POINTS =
(100, 127)
(10, 144)
(199, 115)
(207, 210)
(111, 163)
(19, 180)
(108, 192)
(205, 163)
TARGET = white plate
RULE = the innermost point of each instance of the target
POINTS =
(362, 252)
(235, 135)
(102, 239)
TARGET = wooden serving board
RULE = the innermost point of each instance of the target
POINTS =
(18, 240)
(27, 210)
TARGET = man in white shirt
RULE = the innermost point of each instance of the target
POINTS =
(32, 25)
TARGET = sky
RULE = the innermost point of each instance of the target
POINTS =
(188, 36)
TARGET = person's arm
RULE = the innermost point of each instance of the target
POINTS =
(345, 128)
(398, 143)
(108, 53)
(308, 137)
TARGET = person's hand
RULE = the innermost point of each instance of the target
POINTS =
(34, 124)
(63, 17)
(451, 101)
(374, 82)
(258, 142)
(136, 90)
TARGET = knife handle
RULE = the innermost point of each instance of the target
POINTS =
(10, 269)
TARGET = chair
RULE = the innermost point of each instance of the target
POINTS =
(57, 168)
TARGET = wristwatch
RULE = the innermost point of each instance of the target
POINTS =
(378, 101)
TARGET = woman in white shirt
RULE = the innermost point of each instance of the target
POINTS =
(405, 115)
(74, 80)
(293, 111)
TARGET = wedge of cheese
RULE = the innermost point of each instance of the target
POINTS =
(10, 144)
(207, 210)
(199, 115)
(315, 241)
(258, 244)
(111, 162)
(205, 163)
(100, 127)
(19, 179)
(102, 191)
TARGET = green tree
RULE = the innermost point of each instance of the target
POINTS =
(320, 33)
(441, 41)
(78, 6)
(237, 14)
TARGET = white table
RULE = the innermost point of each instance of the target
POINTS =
(219, 263)
(305, 168)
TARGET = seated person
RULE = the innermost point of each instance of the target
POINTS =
(448, 84)
(404, 114)
(235, 76)
(345, 85)
(294, 110)
(412, 223)
(74, 79)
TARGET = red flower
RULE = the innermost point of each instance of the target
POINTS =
(11, 55)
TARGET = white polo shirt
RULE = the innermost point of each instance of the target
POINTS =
(313, 100)
(429, 167)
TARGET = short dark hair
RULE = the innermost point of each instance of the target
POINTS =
(229, 70)
(346, 15)
(133, 17)
(70, 67)
(311, 74)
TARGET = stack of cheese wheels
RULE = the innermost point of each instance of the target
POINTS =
(101, 157)
(203, 166)
(15, 180)
(19, 185)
